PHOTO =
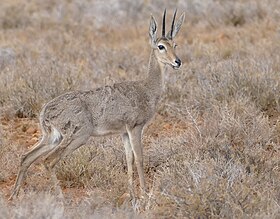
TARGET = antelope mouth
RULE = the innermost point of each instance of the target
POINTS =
(176, 67)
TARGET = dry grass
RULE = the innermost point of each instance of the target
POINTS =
(212, 150)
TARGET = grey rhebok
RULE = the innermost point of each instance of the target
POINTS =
(69, 120)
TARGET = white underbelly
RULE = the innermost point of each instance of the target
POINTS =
(105, 131)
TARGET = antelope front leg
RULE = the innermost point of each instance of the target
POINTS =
(135, 135)
(129, 159)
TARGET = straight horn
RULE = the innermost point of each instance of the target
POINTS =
(172, 25)
(163, 23)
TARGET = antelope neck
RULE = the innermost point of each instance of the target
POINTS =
(156, 69)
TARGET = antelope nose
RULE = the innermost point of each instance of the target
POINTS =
(178, 62)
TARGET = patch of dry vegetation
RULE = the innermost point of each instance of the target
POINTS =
(211, 151)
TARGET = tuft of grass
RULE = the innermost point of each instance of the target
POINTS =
(101, 164)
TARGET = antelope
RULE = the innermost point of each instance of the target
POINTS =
(69, 120)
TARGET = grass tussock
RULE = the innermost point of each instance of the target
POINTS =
(212, 150)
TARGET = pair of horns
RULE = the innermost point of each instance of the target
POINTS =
(172, 25)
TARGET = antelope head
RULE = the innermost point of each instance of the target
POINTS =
(164, 46)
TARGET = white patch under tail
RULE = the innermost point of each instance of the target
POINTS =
(55, 136)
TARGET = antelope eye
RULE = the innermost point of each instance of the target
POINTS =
(175, 46)
(161, 47)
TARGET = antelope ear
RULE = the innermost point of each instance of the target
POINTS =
(177, 27)
(153, 31)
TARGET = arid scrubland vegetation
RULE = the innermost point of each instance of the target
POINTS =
(213, 149)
